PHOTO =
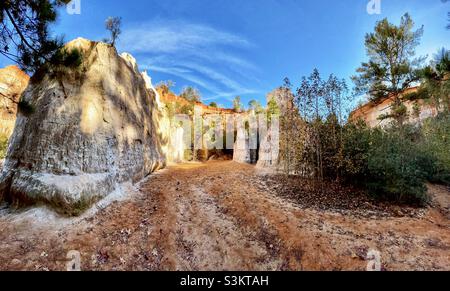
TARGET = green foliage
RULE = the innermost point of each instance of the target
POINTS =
(435, 86)
(68, 58)
(187, 109)
(165, 87)
(213, 105)
(395, 167)
(171, 110)
(255, 106)
(355, 150)
(309, 96)
(272, 109)
(399, 112)
(237, 105)
(191, 94)
(390, 163)
(442, 62)
(3, 146)
(320, 104)
(25, 37)
(25, 108)
(393, 163)
(436, 144)
(397, 162)
(330, 153)
(392, 66)
(63, 63)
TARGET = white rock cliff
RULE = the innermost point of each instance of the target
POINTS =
(92, 130)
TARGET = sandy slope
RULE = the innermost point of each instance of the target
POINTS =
(221, 216)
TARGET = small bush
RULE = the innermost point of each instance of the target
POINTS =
(61, 62)
(435, 144)
(3, 146)
(356, 144)
(25, 108)
(68, 58)
(390, 163)
(396, 167)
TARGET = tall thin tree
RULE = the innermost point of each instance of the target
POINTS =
(113, 25)
(392, 66)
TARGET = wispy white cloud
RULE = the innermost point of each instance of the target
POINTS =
(184, 74)
(177, 36)
(200, 54)
(220, 85)
(214, 75)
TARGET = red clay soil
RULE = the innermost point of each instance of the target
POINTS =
(224, 216)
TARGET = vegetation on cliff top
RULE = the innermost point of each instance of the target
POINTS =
(3, 146)
(392, 66)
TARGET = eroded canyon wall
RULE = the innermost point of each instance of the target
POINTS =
(94, 127)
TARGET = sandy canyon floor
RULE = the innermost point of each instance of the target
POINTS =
(223, 216)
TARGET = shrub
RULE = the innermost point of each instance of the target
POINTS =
(25, 107)
(395, 167)
(388, 162)
(393, 163)
(435, 144)
(63, 61)
(356, 144)
(3, 146)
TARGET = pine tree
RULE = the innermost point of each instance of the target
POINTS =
(24, 33)
(435, 86)
(392, 66)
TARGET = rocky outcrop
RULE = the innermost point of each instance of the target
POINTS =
(12, 84)
(176, 148)
(241, 152)
(370, 113)
(283, 98)
(170, 134)
(269, 151)
(94, 128)
(269, 147)
(246, 150)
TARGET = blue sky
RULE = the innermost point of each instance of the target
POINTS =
(246, 47)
